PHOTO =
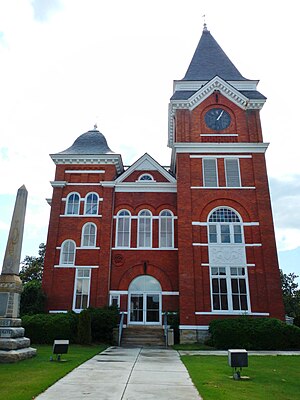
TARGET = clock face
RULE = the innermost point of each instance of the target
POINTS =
(217, 119)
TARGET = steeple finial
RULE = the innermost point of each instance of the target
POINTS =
(95, 126)
(204, 23)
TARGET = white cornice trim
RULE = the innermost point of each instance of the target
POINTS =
(153, 166)
(179, 85)
(84, 171)
(223, 156)
(98, 159)
(228, 89)
(216, 148)
(139, 187)
(60, 184)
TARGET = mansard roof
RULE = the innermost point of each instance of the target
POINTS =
(210, 60)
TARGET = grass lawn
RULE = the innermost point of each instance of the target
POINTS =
(271, 377)
(26, 379)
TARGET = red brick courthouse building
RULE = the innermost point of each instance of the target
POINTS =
(196, 237)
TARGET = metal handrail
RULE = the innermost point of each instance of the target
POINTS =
(166, 327)
(121, 328)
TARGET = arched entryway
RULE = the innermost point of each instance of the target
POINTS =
(144, 301)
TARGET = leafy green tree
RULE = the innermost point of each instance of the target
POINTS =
(32, 267)
(33, 299)
(291, 294)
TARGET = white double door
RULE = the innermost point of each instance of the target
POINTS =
(144, 308)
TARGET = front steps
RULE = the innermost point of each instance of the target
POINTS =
(143, 336)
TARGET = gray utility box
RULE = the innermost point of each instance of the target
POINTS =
(238, 358)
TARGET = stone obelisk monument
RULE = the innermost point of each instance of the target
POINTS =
(13, 345)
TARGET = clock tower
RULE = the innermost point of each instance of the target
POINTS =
(227, 258)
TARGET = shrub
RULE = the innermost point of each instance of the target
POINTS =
(45, 328)
(84, 327)
(103, 321)
(297, 320)
(33, 299)
(254, 334)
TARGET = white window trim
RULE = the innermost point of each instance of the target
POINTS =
(159, 228)
(228, 277)
(82, 232)
(150, 217)
(117, 228)
(85, 204)
(147, 180)
(67, 202)
(61, 253)
(78, 310)
(111, 298)
(231, 232)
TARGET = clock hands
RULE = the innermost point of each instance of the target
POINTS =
(220, 115)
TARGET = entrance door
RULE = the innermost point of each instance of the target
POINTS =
(144, 306)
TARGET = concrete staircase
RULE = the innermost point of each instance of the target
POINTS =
(143, 336)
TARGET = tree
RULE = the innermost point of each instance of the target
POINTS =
(32, 267)
(33, 299)
(290, 293)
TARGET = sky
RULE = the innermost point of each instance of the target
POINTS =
(68, 64)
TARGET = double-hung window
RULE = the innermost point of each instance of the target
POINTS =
(88, 237)
(145, 229)
(73, 204)
(91, 204)
(166, 229)
(224, 227)
(82, 289)
(123, 229)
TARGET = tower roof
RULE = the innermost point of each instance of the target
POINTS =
(210, 60)
(91, 142)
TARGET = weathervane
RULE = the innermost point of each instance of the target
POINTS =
(204, 22)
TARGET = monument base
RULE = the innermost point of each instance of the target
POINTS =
(13, 345)
(12, 356)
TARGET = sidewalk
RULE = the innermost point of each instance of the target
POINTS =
(126, 374)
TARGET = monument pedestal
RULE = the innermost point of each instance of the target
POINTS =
(13, 345)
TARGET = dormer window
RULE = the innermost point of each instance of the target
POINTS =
(146, 178)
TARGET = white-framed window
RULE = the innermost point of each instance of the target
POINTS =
(88, 236)
(232, 172)
(123, 229)
(72, 204)
(225, 227)
(82, 289)
(114, 300)
(67, 253)
(166, 229)
(210, 172)
(146, 178)
(229, 289)
(145, 229)
(91, 204)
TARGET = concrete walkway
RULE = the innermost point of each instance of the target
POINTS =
(126, 374)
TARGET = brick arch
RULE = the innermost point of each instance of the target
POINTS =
(138, 270)
(223, 202)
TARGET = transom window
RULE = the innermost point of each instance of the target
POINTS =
(145, 229)
(229, 289)
(146, 177)
(166, 229)
(67, 253)
(88, 238)
(224, 226)
(91, 204)
(123, 228)
(73, 204)
(144, 283)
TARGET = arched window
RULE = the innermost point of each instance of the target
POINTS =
(91, 204)
(88, 237)
(146, 178)
(73, 204)
(144, 283)
(166, 229)
(67, 253)
(224, 226)
(145, 229)
(123, 229)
